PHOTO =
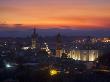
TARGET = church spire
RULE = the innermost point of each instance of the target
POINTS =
(34, 37)
(34, 31)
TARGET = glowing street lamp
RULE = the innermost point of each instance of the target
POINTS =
(8, 65)
(53, 72)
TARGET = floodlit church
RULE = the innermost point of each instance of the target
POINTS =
(77, 54)
(84, 55)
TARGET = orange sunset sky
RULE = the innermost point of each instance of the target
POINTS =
(59, 13)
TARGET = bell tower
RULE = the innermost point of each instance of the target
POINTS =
(58, 45)
(34, 39)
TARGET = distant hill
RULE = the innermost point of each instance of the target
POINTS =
(23, 31)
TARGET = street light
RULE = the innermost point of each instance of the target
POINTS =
(53, 72)
(8, 65)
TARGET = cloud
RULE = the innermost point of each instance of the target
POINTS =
(82, 22)
(8, 9)
(71, 13)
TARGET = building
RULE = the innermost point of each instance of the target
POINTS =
(84, 55)
(59, 50)
(87, 52)
(34, 39)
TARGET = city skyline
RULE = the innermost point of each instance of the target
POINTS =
(54, 40)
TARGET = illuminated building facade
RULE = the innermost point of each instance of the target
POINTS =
(106, 40)
(84, 55)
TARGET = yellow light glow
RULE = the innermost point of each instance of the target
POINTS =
(53, 72)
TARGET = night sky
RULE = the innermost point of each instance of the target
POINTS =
(49, 14)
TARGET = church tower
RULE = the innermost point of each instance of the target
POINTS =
(58, 45)
(34, 39)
